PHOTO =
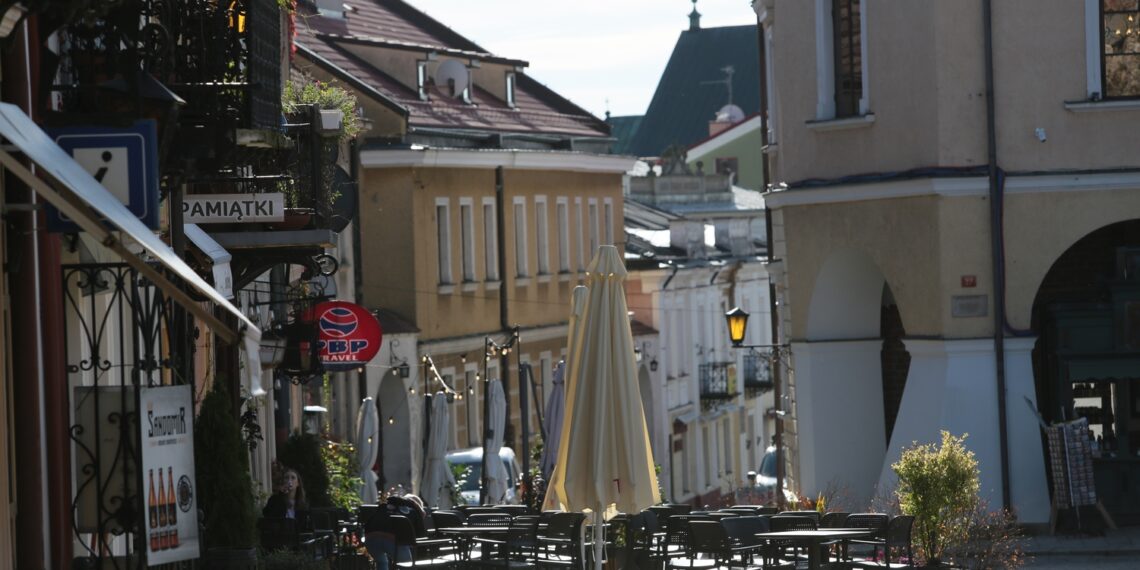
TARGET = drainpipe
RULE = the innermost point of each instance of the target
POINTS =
(995, 252)
(504, 320)
(773, 306)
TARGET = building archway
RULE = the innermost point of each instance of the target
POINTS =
(395, 431)
(851, 373)
(1086, 363)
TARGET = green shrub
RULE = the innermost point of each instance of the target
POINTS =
(341, 466)
(938, 485)
(221, 460)
(993, 540)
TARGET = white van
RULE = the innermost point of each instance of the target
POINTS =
(472, 457)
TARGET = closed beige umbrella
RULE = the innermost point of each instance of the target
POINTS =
(604, 460)
(554, 500)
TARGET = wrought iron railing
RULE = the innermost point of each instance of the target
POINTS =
(717, 380)
(122, 334)
(757, 373)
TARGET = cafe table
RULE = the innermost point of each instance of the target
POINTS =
(466, 535)
(812, 539)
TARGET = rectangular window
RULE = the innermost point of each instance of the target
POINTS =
(467, 238)
(542, 238)
(421, 79)
(593, 228)
(608, 221)
(848, 59)
(443, 236)
(490, 240)
(727, 446)
(709, 458)
(1120, 52)
(580, 224)
(511, 89)
(563, 236)
(520, 237)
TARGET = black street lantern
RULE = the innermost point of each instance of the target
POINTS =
(403, 370)
(737, 320)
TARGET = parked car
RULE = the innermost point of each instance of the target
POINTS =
(764, 485)
(472, 458)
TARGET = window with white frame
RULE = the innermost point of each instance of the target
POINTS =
(467, 238)
(443, 236)
(490, 240)
(580, 224)
(542, 237)
(726, 455)
(608, 221)
(511, 80)
(421, 79)
(1113, 30)
(841, 63)
(709, 459)
(593, 228)
(520, 237)
(563, 215)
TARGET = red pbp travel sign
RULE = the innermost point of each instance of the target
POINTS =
(349, 335)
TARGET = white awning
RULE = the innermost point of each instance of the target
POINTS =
(219, 257)
(82, 199)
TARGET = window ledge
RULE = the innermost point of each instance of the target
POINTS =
(843, 124)
(469, 286)
(522, 281)
(492, 285)
(1101, 106)
(771, 148)
(565, 276)
(446, 288)
(544, 277)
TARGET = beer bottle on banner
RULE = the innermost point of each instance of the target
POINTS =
(161, 500)
(171, 506)
(152, 506)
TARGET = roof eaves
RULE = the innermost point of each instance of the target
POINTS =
(726, 132)
(351, 79)
(377, 41)
(559, 102)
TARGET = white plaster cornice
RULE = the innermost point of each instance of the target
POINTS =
(517, 159)
(952, 188)
(728, 136)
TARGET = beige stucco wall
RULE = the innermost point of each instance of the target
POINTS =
(400, 245)
(926, 88)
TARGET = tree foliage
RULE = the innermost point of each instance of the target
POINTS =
(225, 490)
(938, 485)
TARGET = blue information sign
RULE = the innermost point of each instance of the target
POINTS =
(123, 160)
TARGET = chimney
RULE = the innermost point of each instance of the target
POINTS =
(718, 127)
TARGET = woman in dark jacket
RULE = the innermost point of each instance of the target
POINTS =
(289, 501)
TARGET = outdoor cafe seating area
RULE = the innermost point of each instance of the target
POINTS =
(660, 537)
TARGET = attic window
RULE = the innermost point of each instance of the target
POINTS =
(511, 89)
(421, 79)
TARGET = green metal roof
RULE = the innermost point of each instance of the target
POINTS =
(622, 129)
(683, 105)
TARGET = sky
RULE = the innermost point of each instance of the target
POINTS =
(589, 51)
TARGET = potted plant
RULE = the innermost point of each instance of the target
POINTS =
(330, 113)
(225, 491)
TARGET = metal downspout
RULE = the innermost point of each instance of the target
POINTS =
(777, 391)
(995, 196)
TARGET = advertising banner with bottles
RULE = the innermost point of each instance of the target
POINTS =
(167, 424)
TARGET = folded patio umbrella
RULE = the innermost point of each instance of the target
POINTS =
(367, 446)
(604, 460)
(496, 472)
(437, 475)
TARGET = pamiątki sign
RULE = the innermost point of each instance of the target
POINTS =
(233, 208)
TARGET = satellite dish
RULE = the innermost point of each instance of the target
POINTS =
(452, 78)
(730, 114)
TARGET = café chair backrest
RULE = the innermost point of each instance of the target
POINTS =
(874, 521)
(444, 519)
(780, 523)
(814, 515)
(833, 520)
(488, 519)
(742, 531)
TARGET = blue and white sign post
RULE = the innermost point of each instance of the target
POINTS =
(123, 160)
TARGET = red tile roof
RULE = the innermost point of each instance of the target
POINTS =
(394, 24)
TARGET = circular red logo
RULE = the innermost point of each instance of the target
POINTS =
(349, 335)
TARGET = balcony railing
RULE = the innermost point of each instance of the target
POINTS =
(718, 380)
(757, 374)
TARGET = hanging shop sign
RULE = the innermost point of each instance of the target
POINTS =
(171, 516)
(233, 208)
(123, 160)
(349, 335)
